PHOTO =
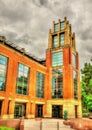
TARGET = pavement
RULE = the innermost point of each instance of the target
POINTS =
(45, 124)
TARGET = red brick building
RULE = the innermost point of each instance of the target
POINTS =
(41, 88)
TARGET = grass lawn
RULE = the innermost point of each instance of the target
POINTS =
(6, 128)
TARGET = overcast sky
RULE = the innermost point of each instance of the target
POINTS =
(26, 23)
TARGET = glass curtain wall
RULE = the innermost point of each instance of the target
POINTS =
(19, 110)
(62, 25)
(74, 60)
(62, 38)
(55, 41)
(22, 80)
(57, 58)
(56, 28)
(3, 69)
(75, 85)
(40, 85)
(57, 83)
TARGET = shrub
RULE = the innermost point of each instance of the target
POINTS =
(85, 114)
(65, 115)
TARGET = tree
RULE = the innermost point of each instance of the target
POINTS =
(83, 94)
(89, 102)
(86, 85)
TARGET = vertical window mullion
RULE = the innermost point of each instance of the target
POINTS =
(62, 25)
(23, 81)
(22, 85)
(62, 35)
(56, 27)
(40, 85)
(57, 58)
(74, 60)
(3, 69)
(75, 75)
(55, 41)
(57, 80)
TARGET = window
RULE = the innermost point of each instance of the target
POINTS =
(62, 25)
(40, 85)
(57, 58)
(19, 110)
(74, 60)
(22, 80)
(57, 83)
(56, 27)
(3, 69)
(75, 75)
(62, 39)
(55, 41)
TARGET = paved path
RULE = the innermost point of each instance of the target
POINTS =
(45, 124)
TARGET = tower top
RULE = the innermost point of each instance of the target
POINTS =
(61, 35)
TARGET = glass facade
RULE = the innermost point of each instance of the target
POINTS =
(55, 41)
(75, 75)
(56, 27)
(22, 80)
(62, 24)
(57, 83)
(3, 69)
(57, 58)
(74, 60)
(40, 85)
(62, 38)
(19, 110)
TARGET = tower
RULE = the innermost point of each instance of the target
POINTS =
(62, 62)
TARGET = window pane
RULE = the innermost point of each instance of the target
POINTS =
(40, 85)
(19, 110)
(57, 59)
(62, 39)
(74, 60)
(3, 67)
(56, 27)
(57, 83)
(62, 25)
(22, 80)
(21, 67)
(2, 78)
(3, 60)
(75, 85)
(55, 41)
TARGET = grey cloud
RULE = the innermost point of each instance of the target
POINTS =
(87, 34)
(40, 3)
(26, 23)
(85, 51)
(11, 35)
(23, 39)
(14, 13)
(87, 47)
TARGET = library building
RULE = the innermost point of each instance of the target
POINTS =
(43, 88)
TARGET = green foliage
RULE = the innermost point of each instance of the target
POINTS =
(6, 128)
(65, 115)
(87, 78)
(89, 102)
(85, 114)
(86, 85)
